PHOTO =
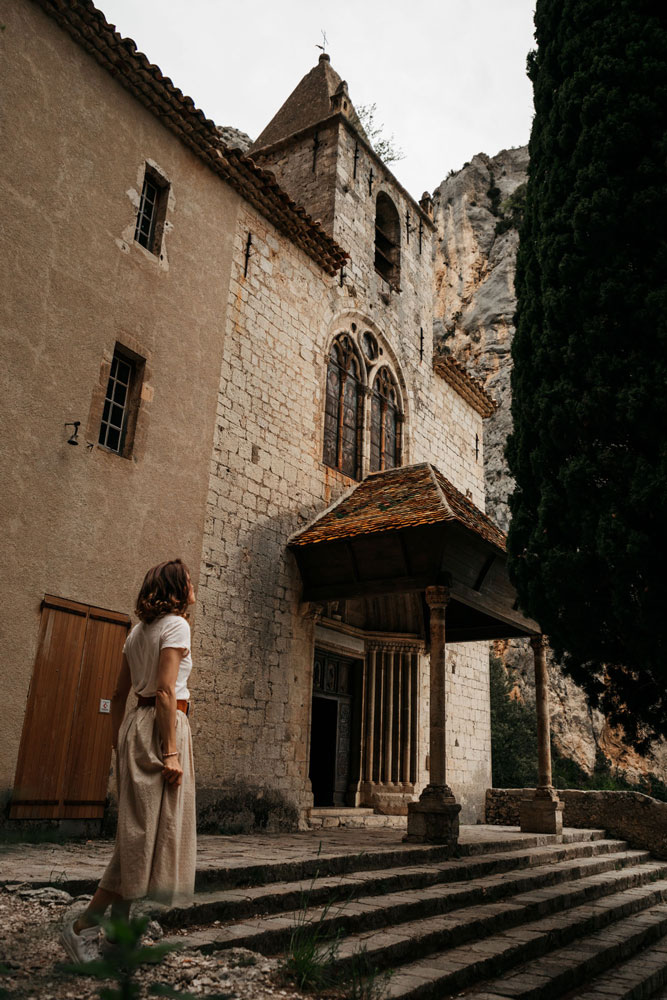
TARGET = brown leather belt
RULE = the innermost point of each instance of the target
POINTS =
(182, 705)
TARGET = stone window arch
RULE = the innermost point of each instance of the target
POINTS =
(386, 423)
(343, 408)
(387, 240)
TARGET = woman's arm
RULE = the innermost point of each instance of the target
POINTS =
(165, 711)
(119, 699)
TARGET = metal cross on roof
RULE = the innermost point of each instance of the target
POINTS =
(323, 46)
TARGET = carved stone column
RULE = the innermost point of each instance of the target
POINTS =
(435, 817)
(544, 812)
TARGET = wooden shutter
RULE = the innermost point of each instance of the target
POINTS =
(65, 750)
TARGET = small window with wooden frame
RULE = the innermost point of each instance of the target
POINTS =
(343, 410)
(152, 212)
(387, 240)
(386, 423)
(121, 402)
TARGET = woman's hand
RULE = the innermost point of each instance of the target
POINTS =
(172, 772)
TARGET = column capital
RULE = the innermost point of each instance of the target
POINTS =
(437, 597)
(396, 646)
(538, 642)
(313, 610)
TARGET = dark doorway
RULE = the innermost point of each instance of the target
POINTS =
(334, 740)
(323, 750)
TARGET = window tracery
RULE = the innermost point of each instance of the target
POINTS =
(385, 438)
(363, 416)
(342, 409)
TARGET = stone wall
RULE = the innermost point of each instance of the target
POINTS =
(468, 726)
(634, 817)
(255, 641)
(300, 167)
(84, 523)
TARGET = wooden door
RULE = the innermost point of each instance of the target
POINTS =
(65, 750)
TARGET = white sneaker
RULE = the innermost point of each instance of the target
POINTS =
(81, 947)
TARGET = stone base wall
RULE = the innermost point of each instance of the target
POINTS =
(634, 817)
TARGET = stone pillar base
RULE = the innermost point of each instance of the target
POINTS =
(434, 819)
(542, 814)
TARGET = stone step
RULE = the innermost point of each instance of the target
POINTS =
(318, 812)
(402, 895)
(234, 904)
(562, 910)
(559, 953)
(412, 921)
(563, 973)
(635, 979)
(329, 819)
(229, 877)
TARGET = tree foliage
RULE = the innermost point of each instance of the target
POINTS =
(514, 750)
(384, 146)
(588, 540)
(513, 734)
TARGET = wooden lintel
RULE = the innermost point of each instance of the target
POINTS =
(486, 604)
(483, 633)
(343, 589)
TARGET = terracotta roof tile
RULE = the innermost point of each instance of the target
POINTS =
(120, 57)
(471, 389)
(399, 498)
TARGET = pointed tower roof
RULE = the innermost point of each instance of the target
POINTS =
(320, 94)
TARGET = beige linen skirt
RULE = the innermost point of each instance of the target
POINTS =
(155, 849)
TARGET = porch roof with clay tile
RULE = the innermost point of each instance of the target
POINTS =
(406, 529)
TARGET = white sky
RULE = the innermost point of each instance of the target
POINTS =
(448, 76)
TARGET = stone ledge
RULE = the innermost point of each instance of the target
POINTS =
(632, 816)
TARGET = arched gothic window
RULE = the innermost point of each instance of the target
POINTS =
(385, 423)
(342, 413)
(387, 240)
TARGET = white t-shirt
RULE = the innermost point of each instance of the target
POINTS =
(142, 649)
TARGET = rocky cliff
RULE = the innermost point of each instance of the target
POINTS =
(477, 213)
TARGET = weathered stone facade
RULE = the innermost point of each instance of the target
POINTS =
(269, 479)
(230, 317)
(82, 522)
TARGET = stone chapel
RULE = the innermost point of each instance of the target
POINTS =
(229, 356)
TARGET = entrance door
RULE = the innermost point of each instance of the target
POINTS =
(331, 741)
(65, 751)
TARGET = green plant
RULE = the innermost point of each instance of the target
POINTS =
(588, 450)
(384, 146)
(513, 734)
(493, 194)
(312, 949)
(364, 981)
(123, 960)
(312, 953)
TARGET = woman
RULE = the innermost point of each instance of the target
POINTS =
(154, 853)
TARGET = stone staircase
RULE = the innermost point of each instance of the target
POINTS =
(540, 918)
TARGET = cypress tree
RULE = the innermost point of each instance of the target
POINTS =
(588, 542)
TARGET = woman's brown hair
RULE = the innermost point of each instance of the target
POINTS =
(165, 591)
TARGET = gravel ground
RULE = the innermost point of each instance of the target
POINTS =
(30, 921)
